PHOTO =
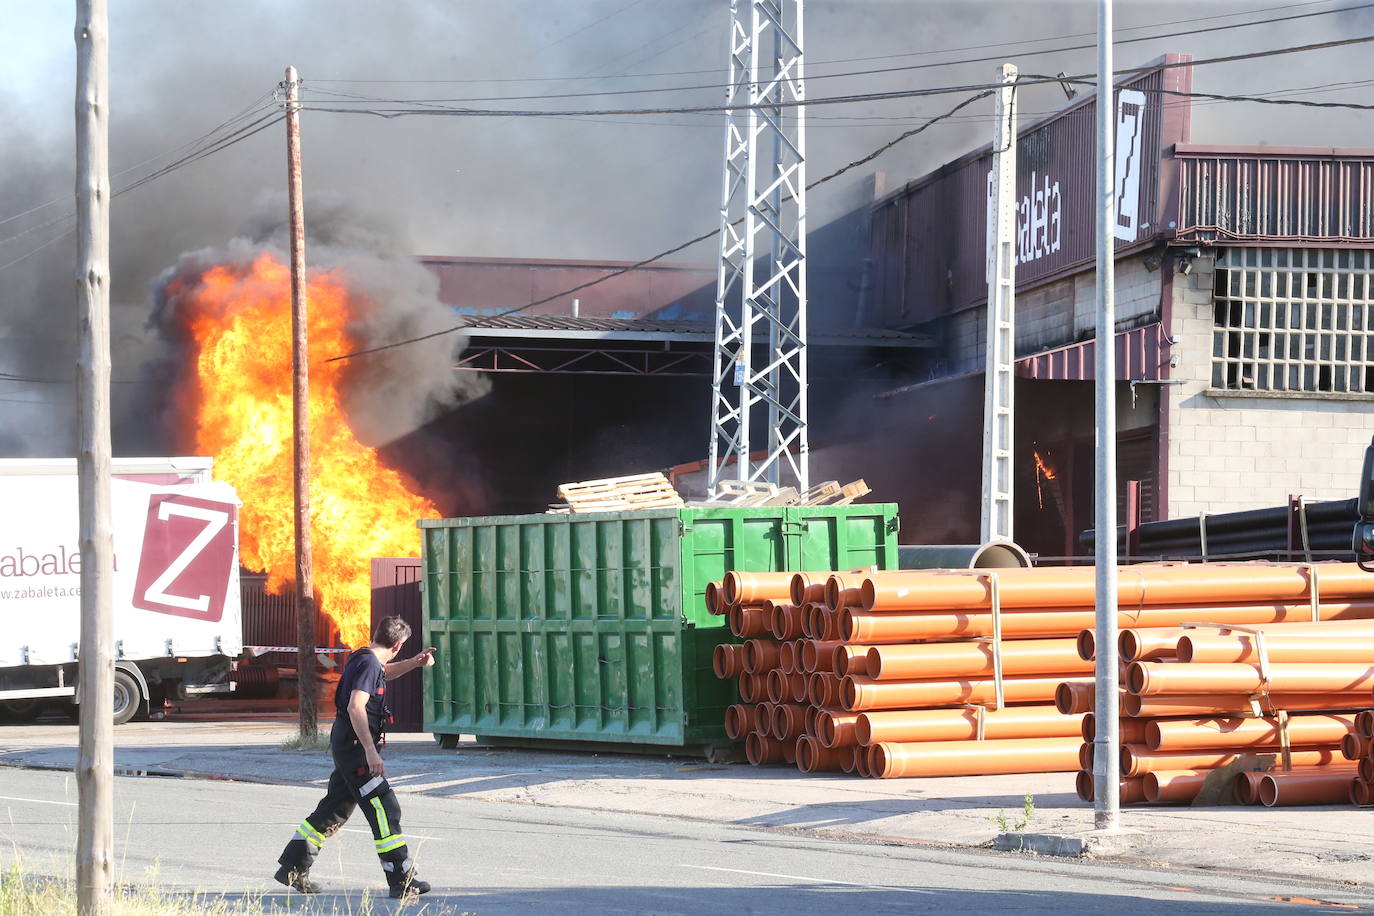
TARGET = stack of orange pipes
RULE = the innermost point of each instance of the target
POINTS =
(893, 672)
(1358, 746)
(1197, 698)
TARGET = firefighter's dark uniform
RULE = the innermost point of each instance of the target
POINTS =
(350, 785)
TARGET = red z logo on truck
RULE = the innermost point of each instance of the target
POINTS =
(188, 547)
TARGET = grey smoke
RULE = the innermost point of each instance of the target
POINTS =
(392, 297)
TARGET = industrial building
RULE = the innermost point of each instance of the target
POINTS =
(1243, 293)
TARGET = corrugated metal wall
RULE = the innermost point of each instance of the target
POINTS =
(1289, 195)
(396, 591)
(270, 620)
(929, 238)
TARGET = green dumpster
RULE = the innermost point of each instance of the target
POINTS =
(593, 627)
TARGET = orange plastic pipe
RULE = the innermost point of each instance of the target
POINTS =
(912, 725)
(1236, 704)
(1139, 586)
(1137, 760)
(889, 627)
(1172, 735)
(843, 590)
(778, 686)
(797, 683)
(975, 659)
(760, 750)
(1364, 723)
(1327, 785)
(1245, 786)
(1367, 769)
(818, 655)
(1333, 646)
(1074, 698)
(1132, 730)
(785, 620)
(1355, 747)
(1174, 785)
(737, 719)
(1162, 679)
(814, 758)
(760, 655)
(789, 721)
(848, 761)
(761, 720)
(752, 687)
(861, 694)
(1132, 790)
(1361, 792)
(851, 659)
(823, 689)
(715, 603)
(727, 660)
(757, 587)
(889, 760)
(787, 657)
(828, 624)
(1154, 644)
(861, 761)
(837, 728)
(747, 622)
(807, 588)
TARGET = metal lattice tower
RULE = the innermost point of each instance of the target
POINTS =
(761, 288)
(999, 432)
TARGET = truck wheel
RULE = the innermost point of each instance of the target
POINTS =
(126, 697)
(21, 710)
(447, 742)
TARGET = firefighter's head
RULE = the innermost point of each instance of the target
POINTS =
(391, 633)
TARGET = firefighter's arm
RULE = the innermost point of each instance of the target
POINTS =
(394, 670)
(357, 714)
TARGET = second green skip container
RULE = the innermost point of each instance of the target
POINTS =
(593, 627)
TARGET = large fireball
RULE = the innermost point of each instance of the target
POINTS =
(238, 317)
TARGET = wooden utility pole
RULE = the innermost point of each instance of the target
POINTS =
(95, 757)
(300, 393)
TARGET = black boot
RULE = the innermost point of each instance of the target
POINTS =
(407, 885)
(300, 880)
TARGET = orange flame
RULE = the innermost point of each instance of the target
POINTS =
(239, 318)
(1042, 472)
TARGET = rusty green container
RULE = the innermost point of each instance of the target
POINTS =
(593, 627)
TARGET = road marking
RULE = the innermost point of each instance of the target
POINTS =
(764, 874)
(37, 801)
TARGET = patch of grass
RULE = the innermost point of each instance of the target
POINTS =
(319, 742)
(24, 894)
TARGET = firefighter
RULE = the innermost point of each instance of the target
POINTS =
(359, 776)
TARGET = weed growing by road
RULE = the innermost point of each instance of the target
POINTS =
(318, 742)
(1004, 825)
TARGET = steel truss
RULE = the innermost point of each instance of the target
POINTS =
(761, 287)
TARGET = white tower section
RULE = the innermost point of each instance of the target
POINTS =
(760, 341)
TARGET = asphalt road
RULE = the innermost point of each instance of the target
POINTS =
(222, 838)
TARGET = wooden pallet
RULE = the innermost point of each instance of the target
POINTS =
(754, 493)
(617, 494)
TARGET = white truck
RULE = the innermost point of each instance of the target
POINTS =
(177, 615)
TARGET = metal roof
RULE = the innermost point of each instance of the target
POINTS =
(568, 327)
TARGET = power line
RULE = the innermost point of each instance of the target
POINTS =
(248, 111)
(676, 248)
(812, 76)
(842, 60)
(239, 135)
(438, 110)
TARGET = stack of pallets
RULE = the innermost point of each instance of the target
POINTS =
(616, 494)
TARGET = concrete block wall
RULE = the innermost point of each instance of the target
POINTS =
(1229, 452)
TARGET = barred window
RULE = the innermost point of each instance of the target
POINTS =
(1299, 319)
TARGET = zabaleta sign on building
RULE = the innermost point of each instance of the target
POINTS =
(930, 237)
